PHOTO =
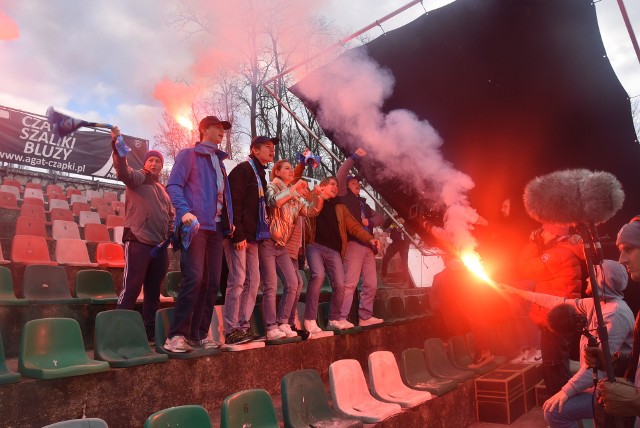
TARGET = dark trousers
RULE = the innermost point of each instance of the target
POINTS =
(401, 247)
(555, 360)
(201, 265)
(143, 270)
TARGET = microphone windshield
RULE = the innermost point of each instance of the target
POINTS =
(573, 196)
(565, 320)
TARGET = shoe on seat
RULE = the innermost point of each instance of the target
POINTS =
(370, 321)
(286, 329)
(334, 325)
(275, 334)
(236, 337)
(206, 343)
(312, 326)
(346, 324)
(177, 344)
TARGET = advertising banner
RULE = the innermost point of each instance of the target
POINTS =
(28, 139)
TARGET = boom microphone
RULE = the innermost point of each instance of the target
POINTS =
(565, 320)
(573, 196)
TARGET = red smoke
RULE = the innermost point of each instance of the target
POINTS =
(8, 28)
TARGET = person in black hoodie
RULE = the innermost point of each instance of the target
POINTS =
(148, 222)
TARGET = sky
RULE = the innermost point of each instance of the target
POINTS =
(103, 60)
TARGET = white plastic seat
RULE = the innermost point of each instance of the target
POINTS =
(65, 229)
(386, 382)
(351, 395)
(33, 193)
(90, 194)
(88, 217)
(73, 252)
(10, 189)
(58, 203)
(77, 198)
(118, 231)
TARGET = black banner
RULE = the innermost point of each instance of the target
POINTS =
(27, 139)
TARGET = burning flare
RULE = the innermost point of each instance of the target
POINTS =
(472, 261)
(183, 121)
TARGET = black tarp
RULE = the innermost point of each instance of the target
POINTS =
(516, 89)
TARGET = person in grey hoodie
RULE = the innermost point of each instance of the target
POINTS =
(574, 401)
(147, 223)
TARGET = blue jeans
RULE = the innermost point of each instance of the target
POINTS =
(359, 259)
(242, 285)
(143, 270)
(292, 317)
(574, 409)
(320, 258)
(272, 255)
(201, 265)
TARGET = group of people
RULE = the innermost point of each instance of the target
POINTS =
(259, 225)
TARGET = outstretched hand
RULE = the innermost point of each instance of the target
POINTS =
(115, 132)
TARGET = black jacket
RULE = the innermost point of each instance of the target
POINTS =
(244, 197)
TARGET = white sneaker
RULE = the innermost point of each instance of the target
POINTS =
(370, 321)
(177, 344)
(312, 327)
(286, 329)
(522, 356)
(346, 324)
(275, 334)
(334, 325)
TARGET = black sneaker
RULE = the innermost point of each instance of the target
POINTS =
(236, 337)
(256, 337)
(304, 334)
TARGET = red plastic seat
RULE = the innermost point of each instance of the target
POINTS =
(8, 200)
(77, 207)
(105, 210)
(30, 192)
(31, 210)
(30, 250)
(31, 226)
(73, 252)
(97, 202)
(61, 214)
(110, 255)
(31, 185)
(114, 220)
(54, 189)
(94, 232)
(109, 196)
(33, 201)
(14, 183)
(118, 206)
(72, 191)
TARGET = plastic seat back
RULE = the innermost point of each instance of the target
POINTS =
(438, 361)
(413, 368)
(71, 191)
(96, 202)
(252, 407)
(96, 232)
(12, 183)
(52, 348)
(77, 197)
(90, 194)
(30, 250)
(33, 186)
(8, 200)
(73, 252)
(118, 231)
(54, 189)
(31, 226)
(323, 315)
(173, 280)
(61, 214)
(110, 254)
(6, 375)
(6, 285)
(105, 210)
(44, 283)
(118, 207)
(121, 340)
(114, 220)
(85, 217)
(78, 207)
(3, 261)
(304, 402)
(192, 416)
(96, 285)
(397, 309)
(109, 196)
(33, 201)
(65, 229)
(386, 382)
(33, 193)
(33, 211)
(80, 423)
(58, 203)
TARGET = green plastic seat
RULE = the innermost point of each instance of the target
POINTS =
(415, 307)
(96, 285)
(121, 340)
(460, 356)
(52, 348)
(164, 317)
(326, 285)
(414, 373)
(6, 375)
(438, 362)
(251, 408)
(397, 311)
(191, 416)
(305, 404)
(7, 295)
(47, 284)
(80, 423)
(305, 281)
(380, 309)
(173, 280)
(323, 320)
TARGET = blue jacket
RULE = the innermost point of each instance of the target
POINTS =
(192, 188)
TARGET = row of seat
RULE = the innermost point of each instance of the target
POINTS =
(55, 190)
(33, 250)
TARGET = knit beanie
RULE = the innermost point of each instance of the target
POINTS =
(630, 234)
(153, 153)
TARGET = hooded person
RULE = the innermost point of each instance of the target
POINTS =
(574, 400)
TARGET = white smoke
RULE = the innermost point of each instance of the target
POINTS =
(350, 93)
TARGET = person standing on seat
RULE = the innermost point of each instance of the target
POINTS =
(399, 245)
(327, 244)
(199, 191)
(285, 204)
(148, 222)
(359, 258)
(248, 184)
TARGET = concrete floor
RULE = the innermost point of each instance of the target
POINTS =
(532, 419)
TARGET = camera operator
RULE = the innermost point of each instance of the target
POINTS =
(574, 401)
